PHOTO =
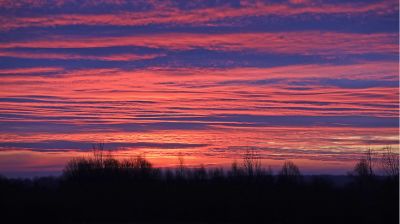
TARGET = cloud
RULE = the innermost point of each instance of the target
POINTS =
(14, 123)
(318, 43)
(350, 83)
(184, 98)
(63, 145)
(262, 120)
(341, 82)
(168, 13)
(32, 70)
(309, 80)
(61, 56)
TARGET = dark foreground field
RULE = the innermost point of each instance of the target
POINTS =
(116, 192)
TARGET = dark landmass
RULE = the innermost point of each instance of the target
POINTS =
(110, 191)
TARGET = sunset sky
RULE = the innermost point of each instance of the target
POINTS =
(312, 81)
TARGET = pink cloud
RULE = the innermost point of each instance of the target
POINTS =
(304, 43)
(185, 86)
(112, 57)
(30, 70)
(166, 14)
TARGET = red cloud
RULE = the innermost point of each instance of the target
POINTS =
(304, 43)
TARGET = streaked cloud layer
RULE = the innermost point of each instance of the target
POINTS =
(307, 80)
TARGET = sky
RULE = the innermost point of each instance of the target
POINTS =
(311, 81)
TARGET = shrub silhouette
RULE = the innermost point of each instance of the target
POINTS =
(109, 168)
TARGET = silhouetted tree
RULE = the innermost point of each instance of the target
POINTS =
(200, 173)
(78, 168)
(363, 172)
(98, 153)
(252, 164)
(363, 169)
(120, 191)
(390, 162)
(180, 172)
(290, 173)
(369, 157)
(235, 170)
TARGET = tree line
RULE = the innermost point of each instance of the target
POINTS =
(102, 189)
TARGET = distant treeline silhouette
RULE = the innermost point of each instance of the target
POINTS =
(102, 189)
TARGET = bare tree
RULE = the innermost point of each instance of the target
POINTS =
(365, 166)
(390, 162)
(98, 153)
(141, 163)
(290, 170)
(369, 157)
(252, 163)
(235, 169)
(363, 169)
(181, 167)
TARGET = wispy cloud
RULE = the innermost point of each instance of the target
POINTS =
(318, 43)
(168, 13)
(64, 56)
(312, 81)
